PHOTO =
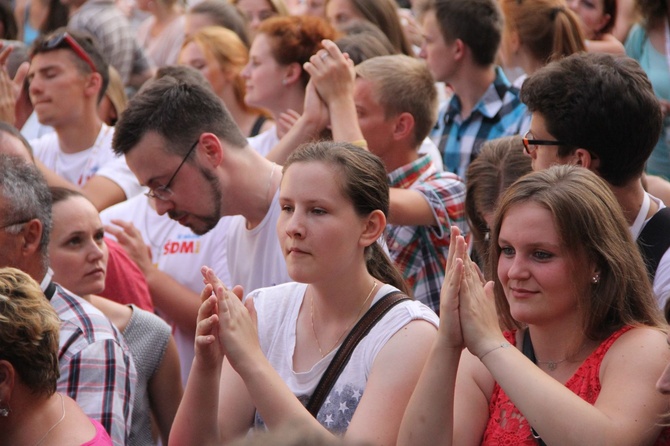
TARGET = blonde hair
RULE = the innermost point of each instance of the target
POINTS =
(29, 331)
(116, 93)
(227, 49)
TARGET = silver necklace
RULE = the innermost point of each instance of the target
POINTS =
(551, 365)
(62, 417)
(360, 310)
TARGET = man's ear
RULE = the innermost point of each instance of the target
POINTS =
(30, 238)
(373, 228)
(584, 158)
(93, 85)
(404, 126)
(211, 149)
(460, 49)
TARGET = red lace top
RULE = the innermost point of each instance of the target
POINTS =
(507, 426)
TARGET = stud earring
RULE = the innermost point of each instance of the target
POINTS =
(283, 82)
(4, 411)
(595, 279)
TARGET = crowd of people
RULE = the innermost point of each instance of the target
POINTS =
(334, 222)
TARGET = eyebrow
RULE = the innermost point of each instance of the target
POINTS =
(533, 245)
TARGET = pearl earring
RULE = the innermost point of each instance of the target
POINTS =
(595, 279)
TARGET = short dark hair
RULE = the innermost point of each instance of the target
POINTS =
(88, 43)
(179, 111)
(601, 103)
(478, 23)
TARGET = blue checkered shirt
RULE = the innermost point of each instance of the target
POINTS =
(498, 113)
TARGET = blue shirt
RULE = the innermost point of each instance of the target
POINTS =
(498, 113)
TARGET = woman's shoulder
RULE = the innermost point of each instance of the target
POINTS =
(639, 347)
(635, 41)
(279, 301)
(638, 337)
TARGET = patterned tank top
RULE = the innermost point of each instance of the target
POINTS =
(508, 427)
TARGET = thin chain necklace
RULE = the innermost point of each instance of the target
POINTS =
(62, 417)
(551, 365)
(360, 310)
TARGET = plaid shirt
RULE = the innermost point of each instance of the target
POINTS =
(102, 19)
(498, 113)
(95, 364)
(420, 252)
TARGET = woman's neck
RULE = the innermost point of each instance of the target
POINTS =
(339, 299)
(244, 119)
(292, 98)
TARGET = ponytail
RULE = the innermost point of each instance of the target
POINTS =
(568, 35)
(381, 267)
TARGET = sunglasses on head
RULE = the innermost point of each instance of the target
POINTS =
(60, 38)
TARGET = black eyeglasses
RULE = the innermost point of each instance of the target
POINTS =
(163, 192)
(56, 40)
(530, 145)
(22, 222)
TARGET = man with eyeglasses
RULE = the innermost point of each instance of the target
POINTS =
(181, 142)
(96, 368)
(68, 77)
(600, 112)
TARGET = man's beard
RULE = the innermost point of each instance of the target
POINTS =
(205, 223)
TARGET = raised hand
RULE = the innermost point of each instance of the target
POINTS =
(479, 319)
(332, 73)
(450, 331)
(208, 348)
(237, 325)
(285, 121)
(130, 238)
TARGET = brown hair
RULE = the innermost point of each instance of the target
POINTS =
(295, 39)
(364, 182)
(591, 225)
(500, 163)
(384, 14)
(547, 28)
(225, 15)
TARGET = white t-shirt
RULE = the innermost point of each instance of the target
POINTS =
(178, 252)
(662, 278)
(429, 148)
(255, 258)
(264, 142)
(278, 308)
(78, 168)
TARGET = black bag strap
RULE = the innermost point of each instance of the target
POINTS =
(341, 358)
(654, 240)
(529, 352)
